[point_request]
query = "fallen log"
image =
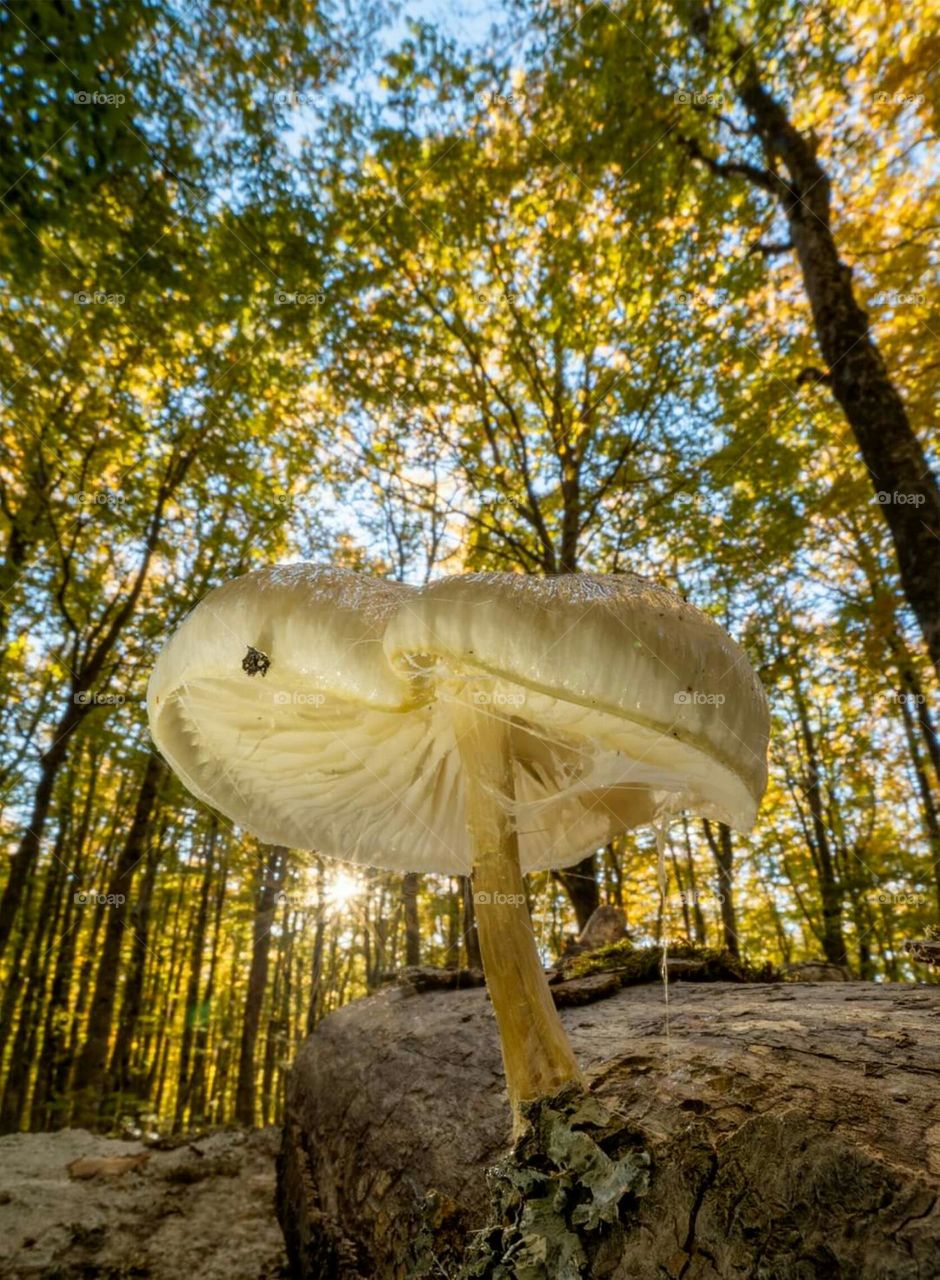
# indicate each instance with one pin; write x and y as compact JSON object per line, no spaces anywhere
{"x":793,"y":1131}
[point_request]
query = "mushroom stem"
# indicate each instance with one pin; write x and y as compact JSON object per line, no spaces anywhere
{"x":537,"y":1056}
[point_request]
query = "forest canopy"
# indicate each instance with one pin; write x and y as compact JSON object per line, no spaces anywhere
{"x":589,"y":289}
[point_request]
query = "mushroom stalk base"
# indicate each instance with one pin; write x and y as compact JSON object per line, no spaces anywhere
{"x":537,"y":1056}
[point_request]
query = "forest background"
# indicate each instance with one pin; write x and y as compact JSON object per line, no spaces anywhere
{"x":557,"y":287}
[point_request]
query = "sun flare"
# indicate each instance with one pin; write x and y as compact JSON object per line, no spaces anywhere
{"x":341,"y":889}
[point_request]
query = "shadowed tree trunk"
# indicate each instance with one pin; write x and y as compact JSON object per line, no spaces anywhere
{"x":833,"y":939}
{"x":723,"y":853}
{"x":22,"y":1052}
{"x":197,"y":1110}
{"x":316,"y":961}
{"x":192,"y":1012}
{"x":120,"y":1070}
{"x":471,"y":939}
{"x":409,"y":893}
{"x":272,"y":872}
{"x":580,"y":884}
{"x":89,"y":1078}
{"x":928,"y":804}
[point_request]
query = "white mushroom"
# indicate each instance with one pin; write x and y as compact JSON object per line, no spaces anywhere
{"x":487,"y":724}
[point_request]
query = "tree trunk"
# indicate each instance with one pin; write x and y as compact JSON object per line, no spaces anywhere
{"x":22,"y":1054}
{"x":120,"y":1070}
{"x":23,"y":861}
{"x":833,"y":939}
{"x":197,"y":1110}
{"x":723,"y":853}
{"x":88,"y":1082}
{"x":471,"y":939}
{"x":901,"y":477}
{"x":791,"y":1128}
{"x":409,"y":894}
{"x":580,"y":884}
{"x":273,"y":872}
{"x":316,"y":963}
{"x":191,"y":1012}
{"x":928,"y":804}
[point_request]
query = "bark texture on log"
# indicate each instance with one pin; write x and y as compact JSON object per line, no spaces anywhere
{"x":794,"y":1130}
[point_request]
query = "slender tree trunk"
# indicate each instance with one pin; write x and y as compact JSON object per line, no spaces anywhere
{"x":27,"y":853}
{"x":580,"y":884}
{"x":192,"y":1014}
{"x":120,"y":1071}
{"x":409,"y":894}
{"x":914,"y":691}
{"x":833,"y":940}
{"x":698,"y":916}
{"x":928,"y":804}
{"x":197,"y":1110}
{"x":471,"y":939}
{"x":273,"y":870}
{"x":316,"y":965}
{"x":723,"y":853}
{"x":90,"y":1069}
{"x":16,"y":1085}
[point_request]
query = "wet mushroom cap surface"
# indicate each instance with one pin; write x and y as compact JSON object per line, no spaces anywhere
{"x":314,"y":708}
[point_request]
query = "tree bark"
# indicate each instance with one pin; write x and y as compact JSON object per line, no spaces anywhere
{"x":833,"y":939}
{"x":120,"y":1070}
{"x":792,"y":1129}
{"x":192,"y":1016}
{"x":580,"y":884}
{"x":409,"y":896}
{"x":900,"y":474}
{"x":197,"y":1110}
{"x":273,"y":872}
{"x":723,"y":853}
{"x":89,"y":1079}
{"x":471,"y":939}
{"x":23,"y":1049}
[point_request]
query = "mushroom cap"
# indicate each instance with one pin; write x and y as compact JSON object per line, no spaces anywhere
{"x":311,"y":706}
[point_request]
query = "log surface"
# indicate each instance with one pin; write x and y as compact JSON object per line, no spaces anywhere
{"x":794,"y":1130}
